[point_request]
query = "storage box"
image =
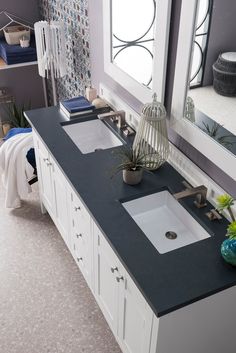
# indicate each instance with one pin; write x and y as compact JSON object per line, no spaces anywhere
{"x":14,"y":33}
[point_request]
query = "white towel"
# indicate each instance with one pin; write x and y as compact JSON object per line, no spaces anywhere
{"x":16,"y":169}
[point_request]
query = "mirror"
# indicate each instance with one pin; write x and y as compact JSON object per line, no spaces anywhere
{"x":133,"y":41}
{"x":136,"y":42}
{"x":208,"y":89}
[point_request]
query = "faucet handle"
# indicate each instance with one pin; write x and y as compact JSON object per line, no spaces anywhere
{"x":213,"y":215}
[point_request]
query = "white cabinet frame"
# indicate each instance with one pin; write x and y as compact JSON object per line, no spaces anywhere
{"x":142,"y":93}
{"x":215,"y":152}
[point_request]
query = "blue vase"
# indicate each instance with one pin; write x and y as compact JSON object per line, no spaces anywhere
{"x":228,"y":251}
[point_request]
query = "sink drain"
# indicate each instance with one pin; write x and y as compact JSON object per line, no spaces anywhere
{"x":171,"y":235}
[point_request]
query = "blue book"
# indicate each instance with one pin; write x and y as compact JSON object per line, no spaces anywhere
{"x":77,"y":105}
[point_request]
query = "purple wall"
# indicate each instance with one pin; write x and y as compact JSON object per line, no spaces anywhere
{"x":25,"y":83}
{"x":98,"y":75}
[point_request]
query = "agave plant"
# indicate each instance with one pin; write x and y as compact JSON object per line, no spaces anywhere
{"x":16,"y":115}
{"x":131,"y":159}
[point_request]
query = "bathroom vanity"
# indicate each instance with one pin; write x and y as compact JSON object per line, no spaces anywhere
{"x":155,"y":300}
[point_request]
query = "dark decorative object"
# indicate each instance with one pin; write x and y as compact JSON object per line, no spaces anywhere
{"x":224,"y":72}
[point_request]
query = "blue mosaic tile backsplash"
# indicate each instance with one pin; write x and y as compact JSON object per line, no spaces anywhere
{"x":74,"y":14}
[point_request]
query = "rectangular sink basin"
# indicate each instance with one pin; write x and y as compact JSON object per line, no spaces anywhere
{"x":91,"y":135}
{"x":161,"y":217}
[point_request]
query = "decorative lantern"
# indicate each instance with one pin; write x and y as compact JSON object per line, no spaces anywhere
{"x":190,"y":110}
{"x":151,"y":140}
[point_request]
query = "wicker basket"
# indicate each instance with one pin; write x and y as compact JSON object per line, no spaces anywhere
{"x":224,"y":73}
{"x":13,"y":34}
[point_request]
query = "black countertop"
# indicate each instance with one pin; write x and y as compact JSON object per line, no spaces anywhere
{"x":168,"y":281}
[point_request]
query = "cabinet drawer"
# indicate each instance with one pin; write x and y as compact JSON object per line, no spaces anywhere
{"x":78,"y":209}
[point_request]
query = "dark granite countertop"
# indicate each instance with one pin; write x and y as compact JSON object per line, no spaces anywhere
{"x":168,"y":281}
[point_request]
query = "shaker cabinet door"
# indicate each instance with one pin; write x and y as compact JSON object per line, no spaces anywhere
{"x":61,"y":203}
{"x":45,"y":175}
{"x":135,"y":319}
{"x":106,"y":285}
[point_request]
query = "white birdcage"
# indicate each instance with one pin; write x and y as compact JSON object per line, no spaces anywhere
{"x":151,"y":140}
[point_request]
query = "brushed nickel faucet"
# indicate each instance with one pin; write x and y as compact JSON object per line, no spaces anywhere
{"x":117,"y":117}
{"x":200,"y":192}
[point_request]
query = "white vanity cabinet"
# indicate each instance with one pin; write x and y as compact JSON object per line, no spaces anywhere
{"x":126,"y":311}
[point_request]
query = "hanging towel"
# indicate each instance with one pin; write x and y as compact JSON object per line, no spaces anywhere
{"x":15,"y":168}
{"x":15,"y":131}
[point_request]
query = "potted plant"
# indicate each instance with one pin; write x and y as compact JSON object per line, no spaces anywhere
{"x":16,"y":115}
{"x":132,"y":165}
{"x":16,"y":118}
{"x":228,"y":247}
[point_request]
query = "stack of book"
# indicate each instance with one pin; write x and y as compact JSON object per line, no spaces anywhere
{"x":76,"y":106}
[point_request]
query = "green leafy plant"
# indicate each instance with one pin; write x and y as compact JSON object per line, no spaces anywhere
{"x":225,"y":202}
{"x":16,"y":115}
{"x":130,"y":160}
{"x":231,"y":230}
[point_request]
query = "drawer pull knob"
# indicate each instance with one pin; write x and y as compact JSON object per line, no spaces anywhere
{"x":79,"y":259}
{"x":121,"y":278}
{"x":113,"y":269}
{"x":79,"y":235}
{"x":77,"y":208}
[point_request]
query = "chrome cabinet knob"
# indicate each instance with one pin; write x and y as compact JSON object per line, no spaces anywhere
{"x":121,"y":278}
{"x":113,"y":269}
{"x":77,"y":208}
{"x":79,"y":259}
{"x":79,"y":235}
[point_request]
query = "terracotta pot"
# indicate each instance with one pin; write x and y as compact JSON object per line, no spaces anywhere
{"x":132,"y":177}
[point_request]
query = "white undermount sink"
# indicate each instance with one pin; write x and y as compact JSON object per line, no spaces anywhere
{"x":161,"y":218}
{"x":91,"y":135}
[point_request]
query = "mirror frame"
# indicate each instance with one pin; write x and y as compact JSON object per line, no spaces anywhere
{"x":220,"y":156}
{"x":142,"y":93}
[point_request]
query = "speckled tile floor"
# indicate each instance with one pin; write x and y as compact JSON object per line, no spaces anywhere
{"x":45,"y":304}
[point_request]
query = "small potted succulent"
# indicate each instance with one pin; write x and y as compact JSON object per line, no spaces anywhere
{"x":132,"y":165}
{"x":228,"y":247}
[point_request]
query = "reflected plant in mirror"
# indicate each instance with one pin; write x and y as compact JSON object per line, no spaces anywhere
{"x":133,"y":28}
